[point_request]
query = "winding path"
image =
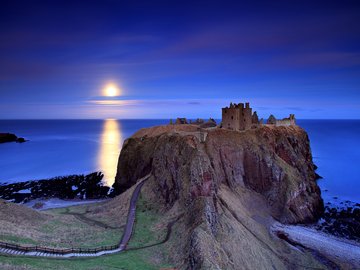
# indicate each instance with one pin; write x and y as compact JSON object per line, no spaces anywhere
{"x":13,"y":249}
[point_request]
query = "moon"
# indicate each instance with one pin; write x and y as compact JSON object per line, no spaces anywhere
{"x":111,"y":90}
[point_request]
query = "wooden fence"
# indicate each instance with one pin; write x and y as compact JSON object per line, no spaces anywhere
{"x":56,"y":250}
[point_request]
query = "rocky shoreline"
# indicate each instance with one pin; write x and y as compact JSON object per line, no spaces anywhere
{"x":342,"y":222}
{"x":66,"y":187}
{"x":9,"y":137}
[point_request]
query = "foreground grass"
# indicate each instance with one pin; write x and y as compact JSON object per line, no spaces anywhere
{"x":66,"y":230}
{"x":146,"y":232}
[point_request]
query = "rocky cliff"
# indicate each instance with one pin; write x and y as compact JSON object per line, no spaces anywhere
{"x":229,"y":187}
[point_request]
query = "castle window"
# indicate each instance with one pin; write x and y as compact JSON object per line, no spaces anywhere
{"x":232,"y":117}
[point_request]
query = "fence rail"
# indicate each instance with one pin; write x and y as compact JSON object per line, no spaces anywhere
{"x":61,"y":251}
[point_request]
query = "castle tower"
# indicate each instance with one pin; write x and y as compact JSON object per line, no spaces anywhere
{"x":237,"y":116}
{"x":255,"y":118}
{"x":247,"y":116}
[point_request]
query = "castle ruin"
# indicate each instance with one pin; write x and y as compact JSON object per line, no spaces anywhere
{"x":289,"y":121}
{"x":240,"y":117}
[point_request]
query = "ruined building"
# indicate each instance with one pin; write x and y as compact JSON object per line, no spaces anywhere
{"x":255,"y":118}
{"x":181,"y":121}
{"x":238,"y":117}
{"x":271,"y":120}
{"x":289,"y":121}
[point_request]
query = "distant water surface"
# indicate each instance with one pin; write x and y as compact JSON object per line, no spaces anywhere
{"x":62,"y":147}
{"x":335,"y":146}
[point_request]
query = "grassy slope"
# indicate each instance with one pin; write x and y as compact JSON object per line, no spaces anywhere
{"x":149,"y":229}
{"x":60,"y":228}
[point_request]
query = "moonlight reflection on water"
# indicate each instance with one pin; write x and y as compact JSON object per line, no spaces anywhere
{"x":110,"y":143}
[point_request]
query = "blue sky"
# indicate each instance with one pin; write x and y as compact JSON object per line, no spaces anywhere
{"x":179,"y":58}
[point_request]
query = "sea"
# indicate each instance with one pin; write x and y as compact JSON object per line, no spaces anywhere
{"x":64,"y":147}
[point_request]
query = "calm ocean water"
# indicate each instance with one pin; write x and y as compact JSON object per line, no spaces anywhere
{"x":335,"y":145}
{"x":61,"y":147}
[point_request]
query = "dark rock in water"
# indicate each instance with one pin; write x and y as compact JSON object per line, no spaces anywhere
{"x":9,"y":137}
{"x":67,"y":187}
{"x":20,"y":140}
{"x":341,"y":222}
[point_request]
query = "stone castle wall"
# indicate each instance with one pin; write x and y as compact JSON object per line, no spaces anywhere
{"x":240,"y":117}
{"x":237,"y":116}
{"x":290,"y":121}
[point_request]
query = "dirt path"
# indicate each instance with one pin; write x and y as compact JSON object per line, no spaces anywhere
{"x":131,"y":216}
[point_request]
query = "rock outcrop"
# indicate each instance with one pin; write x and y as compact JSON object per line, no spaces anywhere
{"x":9,"y":137}
{"x":229,"y":186}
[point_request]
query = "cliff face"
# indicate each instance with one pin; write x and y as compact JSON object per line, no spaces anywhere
{"x":228,"y":185}
{"x":273,"y":161}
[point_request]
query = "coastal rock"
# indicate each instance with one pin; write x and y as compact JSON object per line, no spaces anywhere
{"x":341,"y":222}
{"x":9,"y":137}
{"x":66,"y":187}
{"x":227,"y":187}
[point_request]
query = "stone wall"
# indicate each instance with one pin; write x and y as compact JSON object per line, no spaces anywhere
{"x":289,"y":121}
{"x":237,"y":116}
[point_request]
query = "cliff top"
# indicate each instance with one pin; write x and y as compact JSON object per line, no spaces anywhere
{"x":189,"y":128}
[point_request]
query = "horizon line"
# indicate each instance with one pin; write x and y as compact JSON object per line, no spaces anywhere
{"x":112,"y":118}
